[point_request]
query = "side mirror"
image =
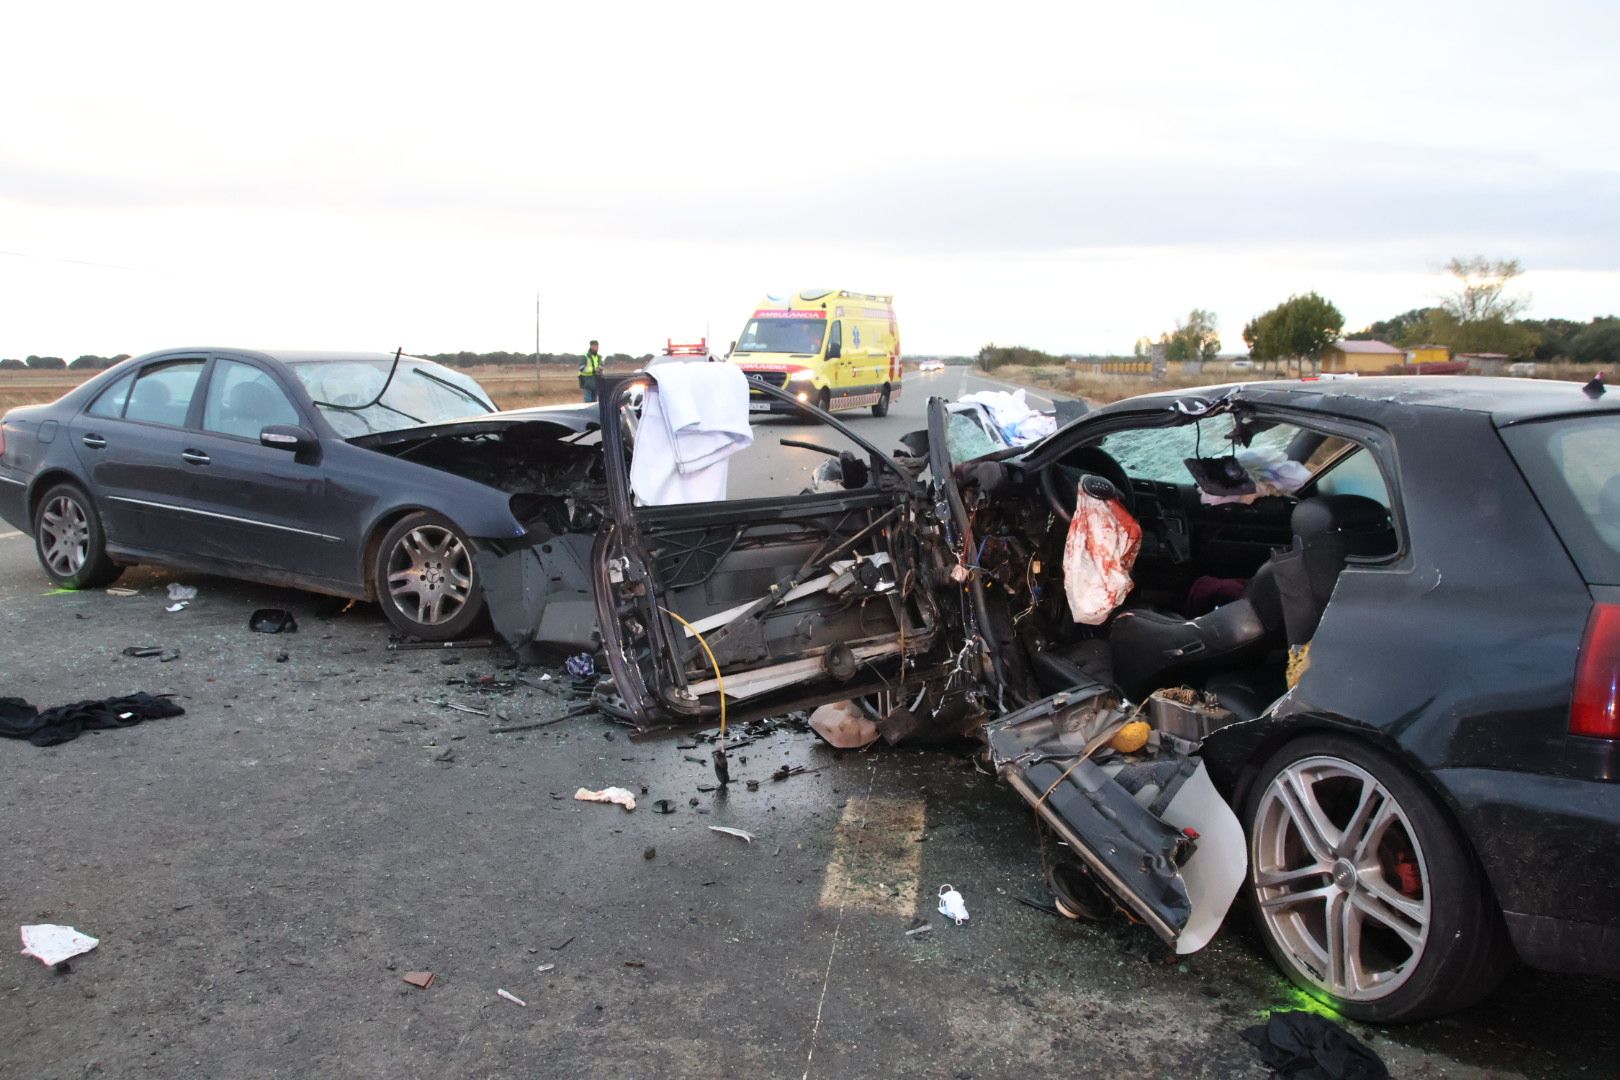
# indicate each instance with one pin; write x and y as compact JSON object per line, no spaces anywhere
{"x":287,"y":437}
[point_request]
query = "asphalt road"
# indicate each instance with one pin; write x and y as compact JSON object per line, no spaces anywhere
{"x":263,"y":870}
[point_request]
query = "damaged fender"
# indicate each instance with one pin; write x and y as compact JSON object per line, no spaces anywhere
{"x":1149,"y":827}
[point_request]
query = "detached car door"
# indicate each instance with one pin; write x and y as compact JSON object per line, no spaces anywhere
{"x":799,"y":587}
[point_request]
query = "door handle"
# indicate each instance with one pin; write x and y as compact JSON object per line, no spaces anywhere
{"x":94,"y":442}
{"x":194,"y":457}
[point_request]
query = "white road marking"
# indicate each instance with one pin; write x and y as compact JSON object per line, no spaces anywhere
{"x":9,"y":535}
{"x":855,"y":806}
{"x":876,"y":859}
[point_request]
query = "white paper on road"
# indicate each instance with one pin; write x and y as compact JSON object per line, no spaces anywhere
{"x":51,"y":944}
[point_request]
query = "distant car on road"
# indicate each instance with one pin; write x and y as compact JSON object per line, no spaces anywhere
{"x":1240,"y":365}
{"x":366,"y":475}
{"x":931,"y":365}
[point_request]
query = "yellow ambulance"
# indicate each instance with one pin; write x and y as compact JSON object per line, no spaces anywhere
{"x":829,"y":347}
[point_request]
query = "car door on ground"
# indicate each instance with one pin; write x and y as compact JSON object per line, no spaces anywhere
{"x":131,"y":441}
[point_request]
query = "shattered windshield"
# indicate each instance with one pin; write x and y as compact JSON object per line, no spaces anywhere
{"x":801,"y":336}
{"x":421,"y":392}
{"x":1161,"y":453}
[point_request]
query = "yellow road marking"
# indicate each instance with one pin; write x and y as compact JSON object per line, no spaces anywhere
{"x":876,"y":859}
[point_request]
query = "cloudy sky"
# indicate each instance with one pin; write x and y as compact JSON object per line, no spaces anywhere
{"x":1066,"y":176}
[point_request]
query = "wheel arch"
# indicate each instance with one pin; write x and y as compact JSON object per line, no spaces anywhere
{"x":49,"y":479}
{"x":1234,"y":765}
{"x":373,"y":544}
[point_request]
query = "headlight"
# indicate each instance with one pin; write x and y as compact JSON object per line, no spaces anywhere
{"x":803,"y":375}
{"x":803,"y":396}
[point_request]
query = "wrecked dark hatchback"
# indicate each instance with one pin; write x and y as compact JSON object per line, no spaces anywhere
{"x":1372,"y":626}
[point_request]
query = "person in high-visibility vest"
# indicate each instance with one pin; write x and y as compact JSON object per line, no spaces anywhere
{"x":589,"y":368}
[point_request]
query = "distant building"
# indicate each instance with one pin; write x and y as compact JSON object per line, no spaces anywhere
{"x":1485,"y":363}
{"x":1428,"y":354}
{"x":1362,"y":357}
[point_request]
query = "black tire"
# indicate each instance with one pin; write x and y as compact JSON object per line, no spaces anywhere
{"x":1428,"y":938}
{"x":824,"y":400}
{"x":69,"y":540}
{"x":882,"y":407}
{"x":425,"y":578}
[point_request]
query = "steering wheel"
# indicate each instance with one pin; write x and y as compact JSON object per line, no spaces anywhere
{"x":1061,"y":497}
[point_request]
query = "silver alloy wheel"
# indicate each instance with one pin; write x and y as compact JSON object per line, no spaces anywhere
{"x":1340,"y":878}
{"x":429,"y":575}
{"x":64,"y":534}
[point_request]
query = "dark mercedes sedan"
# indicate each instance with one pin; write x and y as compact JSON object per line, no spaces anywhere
{"x":374,"y":476}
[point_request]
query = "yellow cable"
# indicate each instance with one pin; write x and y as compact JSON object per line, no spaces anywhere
{"x":718,"y":678}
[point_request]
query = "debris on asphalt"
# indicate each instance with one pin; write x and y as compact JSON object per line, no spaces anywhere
{"x":786,"y":771}
{"x":179,"y":593}
{"x":951,"y":904}
{"x":51,"y":944}
{"x":420,"y":979}
{"x":747,"y":838}
{"x":543,"y":968}
{"x":169,"y":657}
{"x":20,"y":720}
{"x":559,"y":947}
{"x":920,"y":926}
{"x":1298,"y":1045}
{"x":753,"y":785}
{"x":272,"y":621}
{"x":580,"y":667}
{"x":617,"y":795}
{"x":843,"y":726}
{"x":475,"y":643}
{"x":635,"y":963}
{"x":119,"y":590}
{"x":462,"y":708}
{"x":650,"y":853}
{"x":143,"y":650}
{"x":178,"y":605}
{"x":663,"y":806}
{"x":513,"y":998}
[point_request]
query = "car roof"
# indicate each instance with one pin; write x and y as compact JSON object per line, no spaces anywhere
{"x":1506,"y":400}
{"x":290,"y":356}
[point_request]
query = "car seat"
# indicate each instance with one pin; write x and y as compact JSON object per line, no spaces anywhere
{"x":1284,"y":599}
{"x":249,"y":406}
{"x":149,"y":401}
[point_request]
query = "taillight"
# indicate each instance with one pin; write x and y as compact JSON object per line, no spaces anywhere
{"x":1595,"y":710}
{"x":2,"y":438}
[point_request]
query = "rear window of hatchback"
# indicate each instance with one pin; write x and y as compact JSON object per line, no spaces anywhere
{"x":1573,"y":465}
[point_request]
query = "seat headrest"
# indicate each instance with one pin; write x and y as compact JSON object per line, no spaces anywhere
{"x":251,"y":399}
{"x":1363,"y":523}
